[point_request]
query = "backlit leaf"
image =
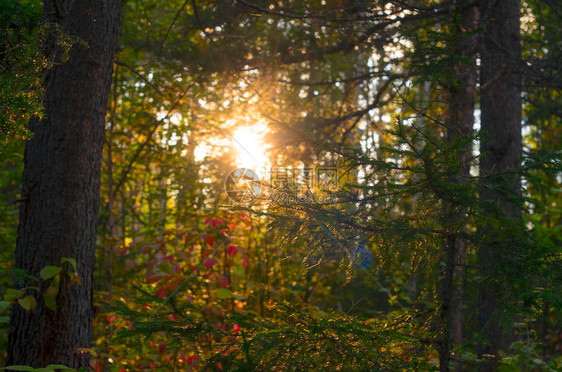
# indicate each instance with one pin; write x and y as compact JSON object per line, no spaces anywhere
{"x":224,"y":293}
{"x":71,"y":261}
{"x":50,"y":302}
{"x":28,"y":302}
{"x":49,"y":272}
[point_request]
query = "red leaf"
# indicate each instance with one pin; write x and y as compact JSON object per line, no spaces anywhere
{"x":153,"y":277}
{"x":232,"y":250}
{"x":192,"y":359}
{"x":162,"y":347}
{"x":236,"y":328}
{"x":169,"y":258}
{"x":210,"y":240}
{"x":222,"y":280}
{"x":162,"y":292}
{"x":214,"y":222}
{"x":210,"y":262}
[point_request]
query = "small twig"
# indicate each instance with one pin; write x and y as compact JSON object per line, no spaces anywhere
{"x":170,"y":28}
{"x":119,"y":63}
{"x":16,"y":201}
{"x":196,"y":14}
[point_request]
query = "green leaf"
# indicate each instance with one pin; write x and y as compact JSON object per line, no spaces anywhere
{"x":71,"y":261}
{"x":20,"y":368}
{"x":28,"y":302}
{"x":166,"y":268}
{"x":4,"y":305}
{"x":224,"y":293}
{"x":53,"y":290}
{"x":49,"y":271}
{"x":13,"y":294}
{"x":50,"y":302}
{"x":60,"y":366}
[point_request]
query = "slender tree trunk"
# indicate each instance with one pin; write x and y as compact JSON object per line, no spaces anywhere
{"x":461,"y":127}
{"x":500,"y":103}
{"x":61,"y":183}
{"x":461,"y":95}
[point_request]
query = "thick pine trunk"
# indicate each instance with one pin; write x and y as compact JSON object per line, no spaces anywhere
{"x":61,"y":182}
{"x":500,"y":103}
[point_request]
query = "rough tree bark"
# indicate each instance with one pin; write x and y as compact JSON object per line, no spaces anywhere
{"x":500,"y":104}
{"x":61,"y":182}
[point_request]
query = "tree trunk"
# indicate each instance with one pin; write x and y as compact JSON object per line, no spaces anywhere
{"x":461,"y":127}
{"x":500,"y":103}
{"x":61,"y":183}
{"x":460,"y":120}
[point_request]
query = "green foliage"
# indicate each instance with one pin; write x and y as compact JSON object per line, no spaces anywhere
{"x":19,"y":296}
{"x":52,"y":275}
{"x":200,"y":323}
{"x":49,"y":368}
{"x":21,"y":64}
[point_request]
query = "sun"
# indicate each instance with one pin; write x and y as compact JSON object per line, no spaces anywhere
{"x":251,"y":150}
{"x":243,"y":138}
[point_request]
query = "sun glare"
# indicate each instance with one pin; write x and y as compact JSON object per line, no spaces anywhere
{"x":244,"y":140}
{"x":251,"y":151}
